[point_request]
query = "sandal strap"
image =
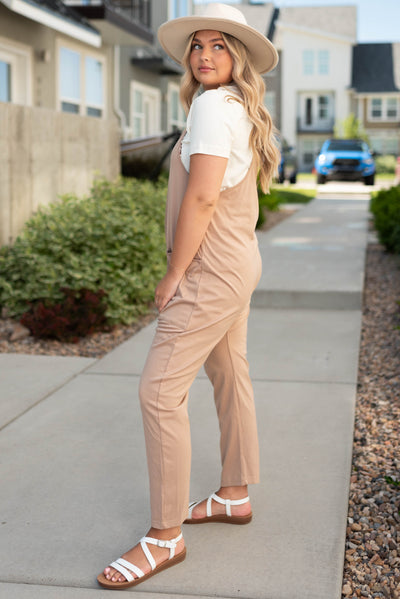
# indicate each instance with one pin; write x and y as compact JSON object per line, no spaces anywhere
{"x":191,"y":507}
{"x":121,"y":565}
{"x":168,"y":544}
{"x":226,"y":502}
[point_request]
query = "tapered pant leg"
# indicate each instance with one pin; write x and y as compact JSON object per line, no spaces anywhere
{"x":228,"y":370}
{"x":187,"y":333}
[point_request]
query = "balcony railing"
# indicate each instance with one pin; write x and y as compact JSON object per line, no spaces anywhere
{"x":322,"y":126}
{"x":137,"y":11}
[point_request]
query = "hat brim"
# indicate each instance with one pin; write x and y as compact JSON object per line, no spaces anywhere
{"x":174,"y":35}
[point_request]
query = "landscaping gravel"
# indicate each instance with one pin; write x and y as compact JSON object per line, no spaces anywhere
{"x":372,"y":562}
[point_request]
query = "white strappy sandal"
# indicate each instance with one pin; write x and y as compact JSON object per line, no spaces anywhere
{"x":227,"y":517}
{"x":126,"y":568}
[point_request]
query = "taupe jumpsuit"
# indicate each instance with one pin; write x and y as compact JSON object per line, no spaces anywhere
{"x":204,"y":323}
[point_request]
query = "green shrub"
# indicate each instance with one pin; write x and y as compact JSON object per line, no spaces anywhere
{"x":271,"y":201}
{"x":385,"y":207}
{"x":385,"y":164}
{"x":112,"y":240}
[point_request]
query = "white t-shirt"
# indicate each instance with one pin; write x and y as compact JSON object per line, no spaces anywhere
{"x":219,"y":127}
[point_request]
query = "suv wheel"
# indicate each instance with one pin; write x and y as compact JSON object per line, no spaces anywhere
{"x":321,"y":179}
{"x":370,"y":180}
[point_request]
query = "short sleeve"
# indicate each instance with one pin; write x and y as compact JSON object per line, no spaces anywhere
{"x":213,"y":124}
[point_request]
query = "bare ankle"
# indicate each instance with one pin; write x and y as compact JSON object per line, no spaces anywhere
{"x":233,"y":492}
{"x":165,"y":534}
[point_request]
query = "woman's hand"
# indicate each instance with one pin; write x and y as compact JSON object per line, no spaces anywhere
{"x":167,"y":287}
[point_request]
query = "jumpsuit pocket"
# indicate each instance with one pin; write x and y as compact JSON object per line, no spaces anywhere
{"x":176,"y":314}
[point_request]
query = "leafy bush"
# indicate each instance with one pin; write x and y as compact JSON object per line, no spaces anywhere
{"x":385,"y":164}
{"x":385,"y":207}
{"x":276,"y":197}
{"x":112,"y":240}
{"x":81,"y":313}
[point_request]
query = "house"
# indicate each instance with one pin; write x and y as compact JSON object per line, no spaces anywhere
{"x":147,"y":80}
{"x":59,"y":98}
{"x":375,"y":94}
{"x":316,"y":45}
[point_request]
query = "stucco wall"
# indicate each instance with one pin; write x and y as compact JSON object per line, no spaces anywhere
{"x":43,"y":154}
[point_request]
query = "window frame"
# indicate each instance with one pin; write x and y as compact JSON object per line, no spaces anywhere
{"x":384,"y":102}
{"x":153,"y":94}
{"x":83,"y":105}
{"x":308,"y":62}
{"x":323,"y":60}
{"x":310,"y":105}
{"x":180,"y":122}
{"x":19,"y":57}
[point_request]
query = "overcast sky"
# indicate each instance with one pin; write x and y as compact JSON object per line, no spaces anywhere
{"x":378,"y":20}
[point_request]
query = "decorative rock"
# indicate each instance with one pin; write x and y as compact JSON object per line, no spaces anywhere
{"x":372,"y":560}
{"x":19,"y":332}
{"x":347,"y":589}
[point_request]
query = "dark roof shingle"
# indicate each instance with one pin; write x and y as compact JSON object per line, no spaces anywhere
{"x":373,"y":68}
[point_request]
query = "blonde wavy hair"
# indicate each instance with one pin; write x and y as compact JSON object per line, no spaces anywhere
{"x":251,"y":89}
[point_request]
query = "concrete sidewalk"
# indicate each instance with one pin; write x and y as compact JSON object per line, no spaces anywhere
{"x":74,"y":490}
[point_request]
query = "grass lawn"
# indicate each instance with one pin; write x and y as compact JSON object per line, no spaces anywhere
{"x":294,"y":196}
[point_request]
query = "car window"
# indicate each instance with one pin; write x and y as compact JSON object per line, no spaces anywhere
{"x":344,"y":145}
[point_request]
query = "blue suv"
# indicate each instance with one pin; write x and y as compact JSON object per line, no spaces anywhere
{"x":345,"y":159}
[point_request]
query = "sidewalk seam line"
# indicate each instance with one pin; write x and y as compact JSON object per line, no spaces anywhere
{"x":73,"y":376}
{"x":254,"y":379}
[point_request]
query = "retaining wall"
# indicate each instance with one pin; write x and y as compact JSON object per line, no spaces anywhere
{"x":44,"y":154}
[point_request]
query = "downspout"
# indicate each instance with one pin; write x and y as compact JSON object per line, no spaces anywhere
{"x":117,"y":109}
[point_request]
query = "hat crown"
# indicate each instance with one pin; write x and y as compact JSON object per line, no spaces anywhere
{"x":224,"y":11}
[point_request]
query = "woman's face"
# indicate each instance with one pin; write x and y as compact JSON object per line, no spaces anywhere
{"x":210,"y":60}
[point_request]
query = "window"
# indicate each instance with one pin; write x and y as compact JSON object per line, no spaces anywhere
{"x":384,"y":109}
{"x":15,"y":72}
{"x":323,"y":62}
{"x":176,"y":114}
{"x":392,"y":108}
{"x":270,"y":103}
{"x":81,"y":87}
{"x":308,"y":62}
{"x":70,"y":80}
{"x":313,"y":60}
{"x":309,"y":111}
{"x":376,"y":111}
{"x":94,"y":87}
{"x":315,"y":111}
{"x":145,"y":109}
{"x":178,"y":8}
{"x":5,"y":81}
{"x":323,"y":108}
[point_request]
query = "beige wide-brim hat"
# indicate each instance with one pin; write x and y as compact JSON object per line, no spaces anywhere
{"x":174,"y":35}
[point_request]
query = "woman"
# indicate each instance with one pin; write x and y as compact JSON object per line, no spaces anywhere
{"x":213,"y":267}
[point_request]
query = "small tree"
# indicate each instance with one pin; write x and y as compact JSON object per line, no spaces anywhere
{"x":351,"y":128}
